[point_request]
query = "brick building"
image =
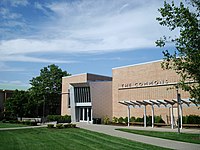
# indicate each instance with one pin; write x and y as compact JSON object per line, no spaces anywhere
{"x":145,"y":83}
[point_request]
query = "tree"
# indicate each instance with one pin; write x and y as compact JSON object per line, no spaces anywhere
{"x":19,"y":104}
{"x":186,"y":58}
{"x":46,"y":90}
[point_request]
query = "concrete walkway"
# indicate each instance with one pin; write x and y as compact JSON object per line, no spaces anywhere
{"x":110,"y":130}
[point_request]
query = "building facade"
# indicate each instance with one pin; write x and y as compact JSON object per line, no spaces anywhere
{"x":86,"y":96}
{"x":137,"y":83}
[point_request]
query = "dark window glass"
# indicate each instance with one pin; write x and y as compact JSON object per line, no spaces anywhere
{"x":82,"y":94}
{"x":68,"y":98}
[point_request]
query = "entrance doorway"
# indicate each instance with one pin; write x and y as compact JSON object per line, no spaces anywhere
{"x":85,"y":114}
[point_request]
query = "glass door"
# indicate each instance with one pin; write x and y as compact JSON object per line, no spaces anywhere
{"x":85,"y":114}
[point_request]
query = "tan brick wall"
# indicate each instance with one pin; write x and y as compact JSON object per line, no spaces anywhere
{"x":80,"y":78}
{"x":65,"y":86}
{"x":101,"y":93}
{"x":140,"y":74}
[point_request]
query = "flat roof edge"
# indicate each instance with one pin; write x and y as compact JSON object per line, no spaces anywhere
{"x":74,"y":75}
{"x":86,"y":74}
{"x":98,"y":75}
{"x":137,"y":64}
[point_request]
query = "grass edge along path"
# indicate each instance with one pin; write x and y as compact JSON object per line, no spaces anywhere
{"x":72,"y":138}
{"x":11,"y":125}
{"x":183,"y":137}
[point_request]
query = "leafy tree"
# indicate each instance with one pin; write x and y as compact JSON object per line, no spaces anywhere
{"x":186,"y":58}
{"x":46,"y":90}
{"x":19,"y":104}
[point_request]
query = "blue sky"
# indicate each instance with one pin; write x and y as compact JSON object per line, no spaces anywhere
{"x":77,"y":35}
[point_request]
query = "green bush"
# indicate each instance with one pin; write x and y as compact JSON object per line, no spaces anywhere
{"x":184,"y":119}
{"x":121,"y":120}
{"x":132,"y":119}
{"x":106,"y":120}
{"x":126,"y":120}
{"x":149,"y":120}
{"x":13,"y":121}
{"x":67,"y":125}
{"x":139,"y":119}
{"x":158,"y":119}
{"x":27,"y":122}
{"x":59,"y":118}
{"x":59,"y":126}
{"x":191,"y":119}
{"x":115,"y":120}
{"x":73,"y":125}
{"x":50,"y":126}
{"x":33,"y":123}
{"x":4,"y":121}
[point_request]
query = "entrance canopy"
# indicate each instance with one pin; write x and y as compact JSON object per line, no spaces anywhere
{"x":166,"y":103}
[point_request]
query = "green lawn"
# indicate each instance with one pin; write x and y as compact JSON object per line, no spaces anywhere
{"x":62,"y":139}
{"x":10,"y":125}
{"x":184,"y":137}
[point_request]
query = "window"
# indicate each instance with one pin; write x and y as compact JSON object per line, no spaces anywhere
{"x":82,"y":94}
{"x":68,"y":98}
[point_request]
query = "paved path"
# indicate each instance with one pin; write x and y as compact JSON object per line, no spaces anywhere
{"x":110,"y":130}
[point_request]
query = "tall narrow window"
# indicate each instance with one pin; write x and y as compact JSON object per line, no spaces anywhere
{"x":82,"y":94}
{"x":68,"y":98}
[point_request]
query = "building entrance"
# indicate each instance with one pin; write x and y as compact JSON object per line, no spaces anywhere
{"x":85,"y":114}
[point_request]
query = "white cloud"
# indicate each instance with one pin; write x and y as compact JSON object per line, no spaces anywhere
{"x":24,"y":58}
{"x":88,"y":27}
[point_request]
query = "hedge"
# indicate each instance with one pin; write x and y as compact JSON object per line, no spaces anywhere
{"x":59,"y":118}
{"x":191,"y":119}
{"x":121,"y":120}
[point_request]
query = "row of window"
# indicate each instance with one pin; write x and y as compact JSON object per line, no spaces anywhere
{"x":82,"y":94}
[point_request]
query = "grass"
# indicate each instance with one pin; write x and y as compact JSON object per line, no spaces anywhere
{"x":11,"y":125}
{"x":62,"y":139}
{"x":184,"y":137}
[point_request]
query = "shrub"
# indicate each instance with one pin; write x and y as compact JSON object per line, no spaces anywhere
{"x":149,"y":120}
{"x":191,"y":119}
{"x":132,"y":119}
{"x":67,"y":125}
{"x":106,"y":120}
{"x":158,"y":119}
{"x":4,"y":121}
{"x":139,"y":119}
{"x":33,"y":123}
{"x":184,"y":119}
{"x":120,"y":120}
{"x":13,"y":121}
{"x":115,"y":120}
{"x":126,"y":120}
{"x":27,"y":122}
{"x":73,"y":125}
{"x":65,"y":119}
{"x":50,"y":126}
{"x":59,"y":126}
{"x":59,"y":118}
